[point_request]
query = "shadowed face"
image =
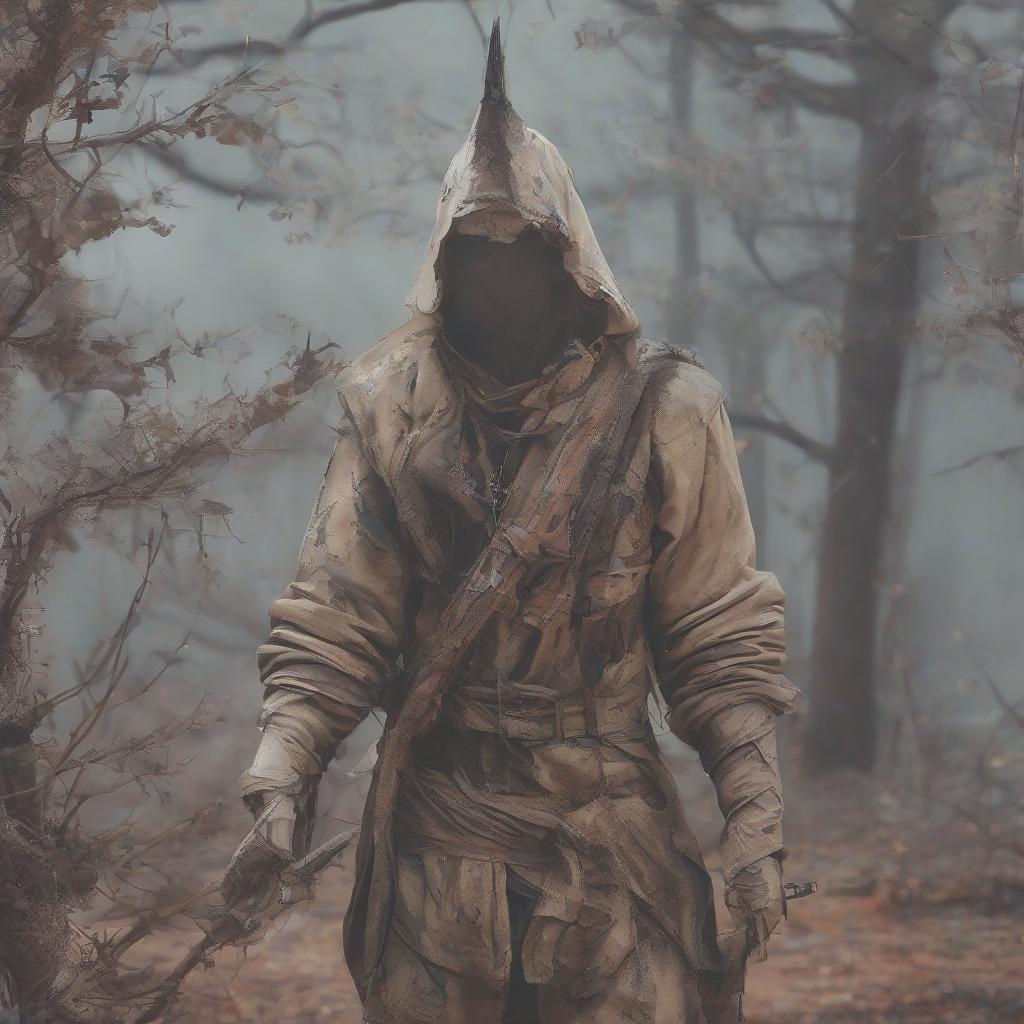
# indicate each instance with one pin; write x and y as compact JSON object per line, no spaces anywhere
{"x":520,"y":283}
{"x":507,"y":305}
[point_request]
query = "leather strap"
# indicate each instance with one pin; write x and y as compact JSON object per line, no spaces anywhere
{"x":531,"y":713}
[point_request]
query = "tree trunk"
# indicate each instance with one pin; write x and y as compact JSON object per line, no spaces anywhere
{"x":881,"y":304}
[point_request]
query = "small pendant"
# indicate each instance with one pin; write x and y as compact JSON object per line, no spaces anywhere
{"x":499,"y":495}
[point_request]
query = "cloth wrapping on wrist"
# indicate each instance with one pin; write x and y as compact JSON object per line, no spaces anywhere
{"x":301,"y":733}
{"x":300,"y":737}
{"x":739,"y":752}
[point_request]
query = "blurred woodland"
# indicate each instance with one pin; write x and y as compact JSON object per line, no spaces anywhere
{"x":206,"y":206}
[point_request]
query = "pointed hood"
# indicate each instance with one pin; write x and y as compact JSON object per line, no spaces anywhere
{"x":507,"y":173}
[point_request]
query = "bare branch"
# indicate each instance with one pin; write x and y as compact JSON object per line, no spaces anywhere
{"x":840,"y":15}
{"x":477,"y":23}
{"x":798,"y":286}
{"x":842,"y":101}
{"x":817,"y":450}
{"x":174,"y":161}
{"x":1000,"y":455}
{"x":247,"y":49}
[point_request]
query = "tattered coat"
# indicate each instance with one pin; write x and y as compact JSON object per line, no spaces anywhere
{"x":515,"y":653}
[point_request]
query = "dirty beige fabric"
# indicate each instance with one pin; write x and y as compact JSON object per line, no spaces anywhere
{"x":532,"y":751}
{"x":594,"y":825}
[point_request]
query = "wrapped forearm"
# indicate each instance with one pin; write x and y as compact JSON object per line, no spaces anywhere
{"x":301,"y":733}
{"x":300,"y":737}
{"x":738,"y":750}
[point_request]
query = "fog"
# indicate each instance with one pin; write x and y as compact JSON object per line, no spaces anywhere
{"x":384,"y":103}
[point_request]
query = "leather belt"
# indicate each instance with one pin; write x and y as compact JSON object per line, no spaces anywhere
{"x":539,"y":713}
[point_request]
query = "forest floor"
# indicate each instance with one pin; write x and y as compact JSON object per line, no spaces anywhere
{"x":918,"y":920}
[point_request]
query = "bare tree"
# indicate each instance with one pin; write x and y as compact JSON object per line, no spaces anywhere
{"x":895,"y":64}
{"x":67,"y":73}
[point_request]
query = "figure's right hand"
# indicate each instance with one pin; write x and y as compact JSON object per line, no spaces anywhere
{"x":252,"y":877}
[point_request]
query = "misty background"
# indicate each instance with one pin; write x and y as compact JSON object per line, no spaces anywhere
{"x":378,"y":106}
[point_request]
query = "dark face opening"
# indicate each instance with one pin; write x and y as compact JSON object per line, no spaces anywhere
{"x":510,"y":306}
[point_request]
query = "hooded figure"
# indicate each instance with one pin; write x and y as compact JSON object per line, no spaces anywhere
{"x":532,"y":522}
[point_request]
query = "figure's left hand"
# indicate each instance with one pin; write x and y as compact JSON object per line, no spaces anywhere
{"x":754,"y":899}
{"x":252,"y":878}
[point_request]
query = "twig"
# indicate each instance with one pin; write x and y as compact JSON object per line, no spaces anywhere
{"x":1001,"y":455}
{"x":785,"y":432}
{"x":249,"y":48}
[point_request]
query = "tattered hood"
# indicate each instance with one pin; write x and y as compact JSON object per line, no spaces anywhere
{"x":507,"y":174}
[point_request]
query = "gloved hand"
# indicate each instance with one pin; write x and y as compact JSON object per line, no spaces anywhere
{"x":251,"y":879}
{"x":300,"y":737}
{"x":738,"y":750}
{"x":754,"y":898}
